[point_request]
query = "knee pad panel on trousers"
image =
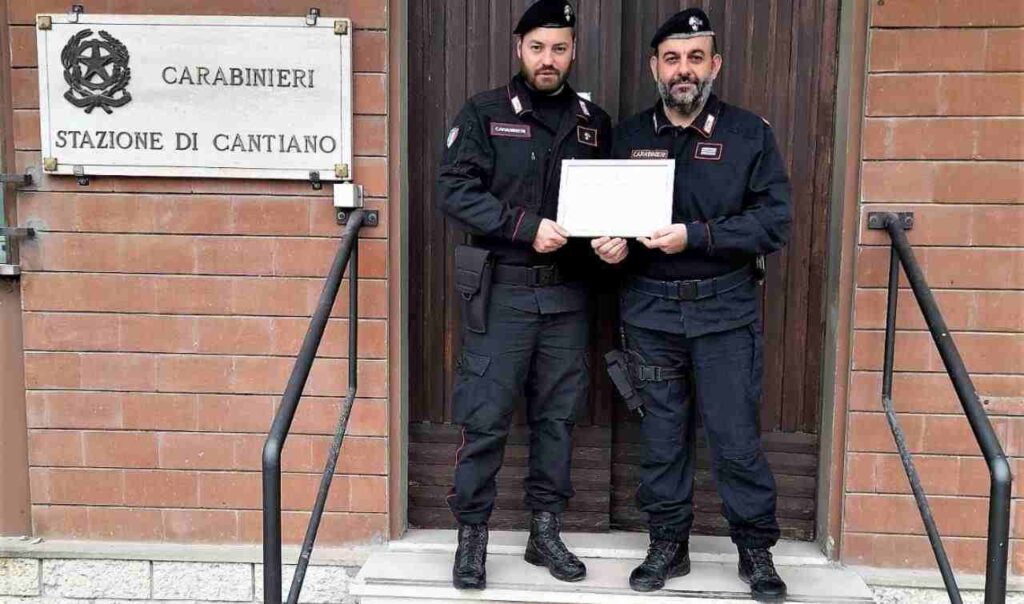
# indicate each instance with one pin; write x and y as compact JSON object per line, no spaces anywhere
{"x":481,"y":401}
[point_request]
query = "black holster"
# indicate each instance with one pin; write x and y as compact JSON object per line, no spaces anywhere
{"x":474,"y":268}
{"x":619,"y":371}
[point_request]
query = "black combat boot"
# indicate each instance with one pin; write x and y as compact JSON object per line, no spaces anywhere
{"x":470,"y":570}
{"x":545,"y":548}
{"x":757,"y":569}
{"x":665,"y":560}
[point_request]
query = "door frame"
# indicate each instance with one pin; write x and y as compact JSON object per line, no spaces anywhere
{"x":842,"y":235}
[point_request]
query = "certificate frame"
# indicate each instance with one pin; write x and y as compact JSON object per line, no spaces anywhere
{"x":616,"y":197}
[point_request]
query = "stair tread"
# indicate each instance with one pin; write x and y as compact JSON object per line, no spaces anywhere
{"x":399,"y":576}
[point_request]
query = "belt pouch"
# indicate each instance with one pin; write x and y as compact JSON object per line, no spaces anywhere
{"x":474,"y":269}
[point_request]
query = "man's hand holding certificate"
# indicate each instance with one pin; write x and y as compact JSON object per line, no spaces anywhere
{"x":616,"y":198}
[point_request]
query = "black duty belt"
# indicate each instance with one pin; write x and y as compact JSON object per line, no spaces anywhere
{"x":531,"y":276}
{"x":692,"y":290}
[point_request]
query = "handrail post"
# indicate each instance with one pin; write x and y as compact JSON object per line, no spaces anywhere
{"x":999,"y":468}
{"x":274,"y":445}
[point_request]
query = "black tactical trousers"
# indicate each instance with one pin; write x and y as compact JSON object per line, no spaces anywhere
{"x":539,"y":356}
{"x":724,"y":372}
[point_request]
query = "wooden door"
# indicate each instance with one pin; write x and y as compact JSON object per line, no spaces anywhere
{"x":780,"y":61}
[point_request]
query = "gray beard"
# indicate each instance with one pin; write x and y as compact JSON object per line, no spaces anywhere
{"x":690,"y":102}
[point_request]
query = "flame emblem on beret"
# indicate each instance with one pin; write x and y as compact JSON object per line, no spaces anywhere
{"x":568,"y":13}
{"x":696,"y":23}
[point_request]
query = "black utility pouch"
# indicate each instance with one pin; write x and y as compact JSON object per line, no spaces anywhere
{"x":473,"y":274}
{"x":617,"y":362}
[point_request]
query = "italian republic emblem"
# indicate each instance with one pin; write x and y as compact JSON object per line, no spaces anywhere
{"x":96,"y":69}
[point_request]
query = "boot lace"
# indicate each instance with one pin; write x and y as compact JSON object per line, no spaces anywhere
{"x":659,"y":554}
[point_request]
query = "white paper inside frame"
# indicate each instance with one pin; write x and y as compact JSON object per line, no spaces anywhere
{"x":223,"y":97}
{"x":621,"y":198}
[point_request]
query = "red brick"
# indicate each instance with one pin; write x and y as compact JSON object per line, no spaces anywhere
{"x":335,"y":529}
{"x":235,"y":335}
{"x":223,"y":413}
{"x":915,"y":351}
{"x":161,"y":489}
{"x":121,"y":449}
{"x":320,"y":415}
{"x":231,"y":490}
{"x":155,"y":254}
{"x":910,"y":552}
{"x":193,"y":295}
{"x":962,"y":310}
{"x":299,"y":491}
{"x":23,"y":46}
{"x":55,"y":448}
{"x":135,"y":372}
{"x":323,"y":222}
{"x":924,"y":49}
{"x":194,"y":373}
{"x":950,"y":268}
{"x":370,"y":134}
{"x":372,"y":173}
{"x":945,"y":95}
{"x":201,"y":526}
{"x":928,"y":13}
{"x":25,"y":90}
{"x":371,"y":93}
{"x":148,"y":411}
{"x":288,"y":335}
{"x":943,"y":138}
{"x":875,"y":473}
{"x":149,"y":333}
{"x":26,"y":130}
{"x":869,"y":432}
{"x":271,"y":216}
{"x":949,"y":182}
{"x":122,"y":524}
{"x":368,"y":14}
{"x":77,"y":487}
{"x":70,"y":332}
{"x":314,"y":257}
{"x":81,"y":410}
{"x":234,"y":255}
{"x":1005,"y":50}
{"x":898,"y":514}
{"x":52,"y":370}
{"x":929,"y":392}
{"x":60,"y":522}
{"x":370,"y":51}
{"x":369,"y":494}
{"x":184,"y":451}
{"x":358,"y":455}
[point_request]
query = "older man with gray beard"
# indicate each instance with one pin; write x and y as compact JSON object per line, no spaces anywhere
{"x":690,"y":309}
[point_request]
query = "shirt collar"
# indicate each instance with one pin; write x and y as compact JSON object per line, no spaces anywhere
{"x":519,"y":96}
{"x":704,"y":123}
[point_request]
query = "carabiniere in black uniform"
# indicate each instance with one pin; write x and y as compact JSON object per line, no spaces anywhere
{"x":499,"y":178}
{"x":692,"y":322}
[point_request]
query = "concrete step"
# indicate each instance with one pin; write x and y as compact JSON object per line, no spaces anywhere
{"x":418,"y":569}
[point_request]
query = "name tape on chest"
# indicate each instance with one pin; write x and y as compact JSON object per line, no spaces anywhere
{"x":649,"y":154}
{"x":587,"y":136}
{"x":708,"y":151}
{"x":511,"y":130}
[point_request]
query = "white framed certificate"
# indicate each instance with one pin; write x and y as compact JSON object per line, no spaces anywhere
{"x":616,"y":197}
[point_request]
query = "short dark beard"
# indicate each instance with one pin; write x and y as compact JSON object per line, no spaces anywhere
{"x":532,"y":81}
{"x":690,"y":103}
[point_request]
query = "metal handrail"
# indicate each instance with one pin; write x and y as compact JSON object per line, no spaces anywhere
{"x":348,"y":254}
{"x":999,"y":468}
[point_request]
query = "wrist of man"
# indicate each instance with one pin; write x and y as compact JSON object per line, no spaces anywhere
{"x":698,"y":236}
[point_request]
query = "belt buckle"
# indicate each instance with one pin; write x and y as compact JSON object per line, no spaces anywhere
{"x":543,"y":276}
{"x":687,"y":290}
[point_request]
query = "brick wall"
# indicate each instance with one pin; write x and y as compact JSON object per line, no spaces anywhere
{"x":161,"y":320}
{"x":943,"y":138}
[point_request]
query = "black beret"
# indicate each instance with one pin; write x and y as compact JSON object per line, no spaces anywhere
{"x":547,"y":13}
{"x":690,"y":23}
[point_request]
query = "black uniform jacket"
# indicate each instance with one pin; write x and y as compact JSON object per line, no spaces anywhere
{"x":502,"y":167}
{"x":733,"y":194}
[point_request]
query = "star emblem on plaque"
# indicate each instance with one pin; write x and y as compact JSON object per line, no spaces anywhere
{"x":96,"y":71}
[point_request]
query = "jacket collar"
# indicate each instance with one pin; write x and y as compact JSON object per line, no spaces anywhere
{"x":704,"y":123}
{"x":519,"y":96}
